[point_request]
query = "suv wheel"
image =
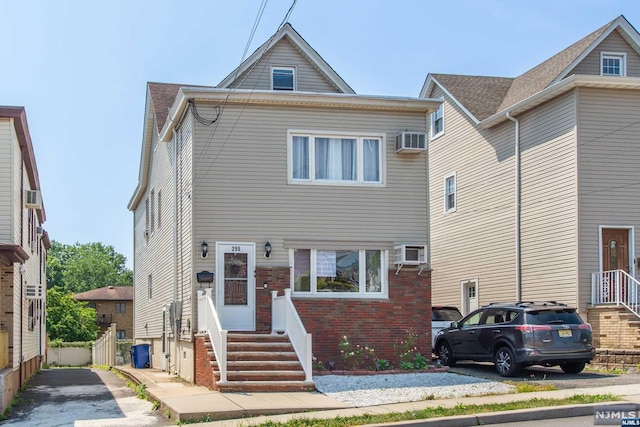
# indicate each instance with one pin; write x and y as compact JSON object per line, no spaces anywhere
{"x":572,"y":368}
{"x":505,"y":362}
{"x":445,"y":354}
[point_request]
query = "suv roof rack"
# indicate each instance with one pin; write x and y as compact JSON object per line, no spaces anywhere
{"x":543,"y":303}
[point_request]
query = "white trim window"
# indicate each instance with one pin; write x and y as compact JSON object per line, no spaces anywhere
{"x":450,"y":199}
{"x":336,"y":158}
{"x":437,"y":122}
{"x":613,"y":64}
{"x":339,"y":273}
{"x":283,"y":78}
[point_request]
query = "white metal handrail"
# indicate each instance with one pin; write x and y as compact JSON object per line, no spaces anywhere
{"x":615,"y":287}
{"x":209,"y":322}
{"x":285,"y":318}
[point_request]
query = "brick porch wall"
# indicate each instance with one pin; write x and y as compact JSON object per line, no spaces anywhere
{"x":378,"y":324}
{"x":614,"y":327}
{"x":203,"y":370}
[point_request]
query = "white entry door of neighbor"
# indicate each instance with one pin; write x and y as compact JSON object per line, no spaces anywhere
{"x":236,"y":285}
{"x":469,"y":295}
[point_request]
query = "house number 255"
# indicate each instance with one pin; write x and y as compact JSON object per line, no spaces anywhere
{"x":235,"y":248}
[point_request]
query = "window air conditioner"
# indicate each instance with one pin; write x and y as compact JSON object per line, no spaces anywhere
{"x":411,"y":142}
{"x":32,"y":199}
{"x":410,"y":254}
{"x":35,"y":291}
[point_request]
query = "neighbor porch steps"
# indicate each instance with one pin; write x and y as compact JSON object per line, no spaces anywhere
{"x":259,"y":363}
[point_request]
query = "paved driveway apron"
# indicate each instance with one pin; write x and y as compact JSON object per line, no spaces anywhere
{"x":544,"y":375}
{"x":81,"y":397}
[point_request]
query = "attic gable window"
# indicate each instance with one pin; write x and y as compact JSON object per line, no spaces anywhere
{"x":283,"y":78}
{"x":613,"y":64}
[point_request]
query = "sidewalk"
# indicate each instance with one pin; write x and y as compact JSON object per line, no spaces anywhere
{"x":186,"y":402}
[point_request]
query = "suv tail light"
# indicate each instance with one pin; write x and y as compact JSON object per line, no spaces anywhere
{"x":586,"y":326}
{"x":529,"y":329}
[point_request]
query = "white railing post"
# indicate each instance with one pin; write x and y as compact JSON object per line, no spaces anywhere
{"x":209,"y":322}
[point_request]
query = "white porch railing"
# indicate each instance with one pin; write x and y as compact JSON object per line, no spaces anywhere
{"x":284,"y":318}
{"x":209,"y":322}
{"x":615,"y":287}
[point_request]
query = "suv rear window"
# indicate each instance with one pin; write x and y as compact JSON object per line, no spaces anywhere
{"x":445,"y":313}
{"x":550,"y":317}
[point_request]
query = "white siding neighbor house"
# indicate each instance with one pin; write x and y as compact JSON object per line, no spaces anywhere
{"x":533,"y":184}
{"x":279,"y":201}
{"x":23,"y":245}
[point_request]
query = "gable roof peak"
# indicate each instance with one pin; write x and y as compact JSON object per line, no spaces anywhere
{"x":559,"y":65}
{"x":301,"y":44}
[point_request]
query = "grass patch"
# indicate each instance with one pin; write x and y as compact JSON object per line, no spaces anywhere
{"x":529,"y":387}
{"x":440,"y":411}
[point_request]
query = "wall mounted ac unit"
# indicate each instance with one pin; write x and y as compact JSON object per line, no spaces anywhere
{"x":39,"y":231}
{"x":410,"y":254}
{"x":35,"y":291}
{"x":32,"y":199}
{"x":411,"y":142}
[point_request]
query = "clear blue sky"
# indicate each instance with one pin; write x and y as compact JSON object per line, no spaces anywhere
{"x":80,"y":69}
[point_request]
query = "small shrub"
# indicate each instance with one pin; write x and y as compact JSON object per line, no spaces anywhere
{"x":382,"y":365}
{"x":317,"y":365}
{"x":408,"y":354}
{"x":355,"y":357}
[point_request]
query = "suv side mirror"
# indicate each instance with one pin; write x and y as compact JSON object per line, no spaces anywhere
{"x":454,"y":325}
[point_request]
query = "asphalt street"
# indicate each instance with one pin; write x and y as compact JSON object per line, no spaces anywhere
{"x":81,"y":397}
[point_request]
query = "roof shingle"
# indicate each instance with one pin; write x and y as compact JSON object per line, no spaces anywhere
{"x":108,"y":293}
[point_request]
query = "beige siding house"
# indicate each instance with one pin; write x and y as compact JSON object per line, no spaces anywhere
{"x":23,"y":245}
{"x":279,"y":178}
{"x":533,"y":184}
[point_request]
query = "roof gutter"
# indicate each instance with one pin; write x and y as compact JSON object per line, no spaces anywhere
{"x":517,"y":205}
{"x":556,"y":89}
{"x":299,"y":99}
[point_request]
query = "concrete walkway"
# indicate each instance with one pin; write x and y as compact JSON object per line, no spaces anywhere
{"x":186,"y":402}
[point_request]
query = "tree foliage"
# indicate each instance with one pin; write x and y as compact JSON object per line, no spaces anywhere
{"x":68,"y":319}
{"x":85,"y":266}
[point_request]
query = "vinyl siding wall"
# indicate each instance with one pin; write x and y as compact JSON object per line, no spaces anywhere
{"x":284,"y":54}
{"x":7,"y":146}
{"x":241,"y":192}
{"x":154,"y":256}
{"x":549,"y":202}
{"x":609,"y":180}
{"x":475,"y":241}
{"x":613,"y":43}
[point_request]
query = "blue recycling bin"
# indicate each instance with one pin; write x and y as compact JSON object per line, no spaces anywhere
{"x":140,"y":356}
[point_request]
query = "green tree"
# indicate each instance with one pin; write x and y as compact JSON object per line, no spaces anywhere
{"x":68,"y":319}
{"x":85,"y":266}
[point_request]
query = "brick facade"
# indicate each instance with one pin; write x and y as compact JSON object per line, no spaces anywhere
{"x":202,"y":367}
{"x":614,"y":328}
{"x":378,"y":324}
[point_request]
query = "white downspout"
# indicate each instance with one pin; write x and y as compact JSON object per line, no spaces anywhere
{"x":517,"y":205}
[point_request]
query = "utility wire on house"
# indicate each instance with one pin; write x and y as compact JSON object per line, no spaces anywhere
{"x":209,"y":139}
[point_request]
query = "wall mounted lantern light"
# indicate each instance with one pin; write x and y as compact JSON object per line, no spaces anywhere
{"x":205,"y":249}
{"x":267,"y":250}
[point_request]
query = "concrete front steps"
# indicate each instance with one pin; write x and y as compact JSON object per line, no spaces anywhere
{"x":259,"y":363}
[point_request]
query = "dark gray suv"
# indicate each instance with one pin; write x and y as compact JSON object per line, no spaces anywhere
{"x":516,"y":335}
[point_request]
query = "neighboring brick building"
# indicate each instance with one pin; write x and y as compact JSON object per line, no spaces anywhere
{"x":113,"y":304}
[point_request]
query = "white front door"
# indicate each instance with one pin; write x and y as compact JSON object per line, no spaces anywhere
{"x":236,"y":286}
{"x":469,"y":295}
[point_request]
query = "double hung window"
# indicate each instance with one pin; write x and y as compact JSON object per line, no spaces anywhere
{"x":339,"y":273}
{"x":336,"y":159}
{"x":450,"y":193}
{"x":437,"y":121}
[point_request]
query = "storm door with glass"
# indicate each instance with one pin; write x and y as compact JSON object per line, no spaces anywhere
{"x":236,"y":287}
